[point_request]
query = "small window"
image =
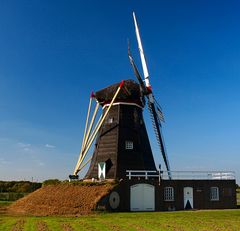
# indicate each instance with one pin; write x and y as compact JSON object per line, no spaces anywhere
{"x":169,"y":194}
{"x":129,"y":144}
{"x":110,"y":120}
{"x":214,"y":194}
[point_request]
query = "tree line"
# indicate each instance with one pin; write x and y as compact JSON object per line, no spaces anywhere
{"x":19,"y":186}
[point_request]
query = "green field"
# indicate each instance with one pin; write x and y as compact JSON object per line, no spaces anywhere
{"x":184,"y":220}
{"x":5,"y":203}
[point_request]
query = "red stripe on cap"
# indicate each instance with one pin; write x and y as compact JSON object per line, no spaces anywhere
{"x":92,"y":95}
{"x":149,"y":89}
{"x":121,"y":84}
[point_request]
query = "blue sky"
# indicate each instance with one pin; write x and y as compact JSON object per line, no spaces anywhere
{"x":54,"y":53}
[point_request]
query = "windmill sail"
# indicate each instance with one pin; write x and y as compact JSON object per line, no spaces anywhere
{"x":159,"y":111}
{"x":140,"y":47}
{"x":155,"y":110}
{"x":157,"y":129}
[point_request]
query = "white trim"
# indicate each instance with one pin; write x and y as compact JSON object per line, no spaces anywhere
{"x":123,"y":103}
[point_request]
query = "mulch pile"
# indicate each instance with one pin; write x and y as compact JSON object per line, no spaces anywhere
{"x":60,"y":199}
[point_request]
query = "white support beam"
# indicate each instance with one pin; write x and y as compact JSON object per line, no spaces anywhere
{"x":97,"y":129}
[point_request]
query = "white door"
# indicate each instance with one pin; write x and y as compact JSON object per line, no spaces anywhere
{"x":188,"y":197}
{"x":142,"y":197}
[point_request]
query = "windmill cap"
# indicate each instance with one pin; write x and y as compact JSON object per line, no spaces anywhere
{"x":130,"y":92}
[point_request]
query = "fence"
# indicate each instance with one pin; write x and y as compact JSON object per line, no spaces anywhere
{"x":182,"y":175}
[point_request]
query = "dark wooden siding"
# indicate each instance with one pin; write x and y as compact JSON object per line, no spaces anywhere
{"x":132,"y":127}
{"x":201,"y":194}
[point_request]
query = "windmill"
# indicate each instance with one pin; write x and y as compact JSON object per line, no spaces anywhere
{"x":121,"y":137}
{"x":122,"y":151}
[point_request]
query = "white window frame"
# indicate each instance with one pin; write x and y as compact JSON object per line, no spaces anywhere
{"x":214,"y":194}
{"x":128,"y":144}
{"x":168,"y":194}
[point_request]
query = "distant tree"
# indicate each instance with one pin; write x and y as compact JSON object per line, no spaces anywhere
{"x":19,"y":186}
{"x":51,"y":182}
{"x":24,"y":187}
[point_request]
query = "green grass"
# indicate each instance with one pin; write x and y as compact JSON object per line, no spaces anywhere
{"x":5,"y":203}
{"x":182,"y":220}
{"x":7,"y":223}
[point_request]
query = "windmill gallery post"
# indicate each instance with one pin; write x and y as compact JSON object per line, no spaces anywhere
{"x":122,"y":152}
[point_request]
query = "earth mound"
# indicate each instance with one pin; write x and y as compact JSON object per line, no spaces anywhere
{"x":62,"y":199}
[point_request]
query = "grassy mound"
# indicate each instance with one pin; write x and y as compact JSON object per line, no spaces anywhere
{"x":61,"y":199}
